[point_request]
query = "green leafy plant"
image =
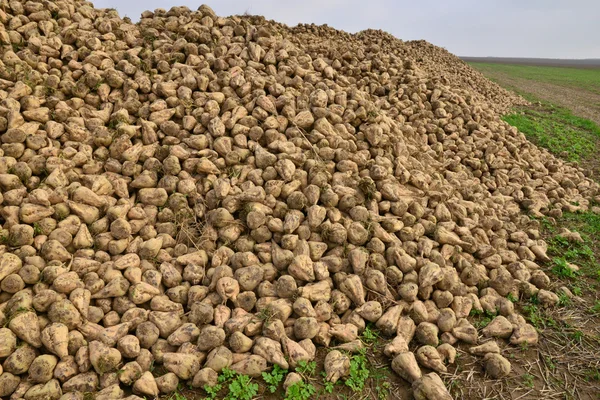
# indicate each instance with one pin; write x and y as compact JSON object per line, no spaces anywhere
{"x":550,"y":363}
{"x":359,"y":372}
{"x":328,"y":386}
{"x":241,"y":388}
{"x":383,"y":390}
{"x":485,"y":318}
{"x":212,"y":391}
{"x":532,"y":314}
{"x":512,"y":298}
{"x":528,"y":380}
{"x":300,"y":391}
{"x":36,"y":229}
{"x":562,"y":270}
{"x":274,"y":378}
{"x":369,"y":336}
{"x":306,"y":368}
{"x":226,"y":375}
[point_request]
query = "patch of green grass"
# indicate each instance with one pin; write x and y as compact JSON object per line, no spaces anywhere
{"x":580,"y":254}
{"x":588,"y":79}
{"x":563,"y":300}
{"x":557,"y":130}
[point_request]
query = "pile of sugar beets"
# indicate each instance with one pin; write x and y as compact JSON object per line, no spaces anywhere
{"x":197,"y":193}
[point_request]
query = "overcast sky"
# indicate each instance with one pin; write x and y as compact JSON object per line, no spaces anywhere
{"x":504,"y":28}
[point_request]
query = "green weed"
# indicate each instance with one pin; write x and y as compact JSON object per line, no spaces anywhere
{"x":305,"y":368}
{"x":97,"y":86}
{"x":485,"y":317}
{"x":577,"y":336}
{"x":274,"y":378}
{"x":383,"y":390}
{"x":369,"y":336}
{"x":36,"y":229}
{"x":562,"y":270}
{"x":213,"y":391}
{"x":239,"y":387}
{"x":532,"y":314}
{"x":550,"y":363}
{"x":576,"y":290}
{"x":528,"y":380}
{"x":234,"y":172}
{"x":536,"y":316}
{"x":580,"y":254}
{"x":563,"y":300}
{"x":300,"y":391}
{"x":265,"y":315}
{"x":359,"y":372}
{"x":327,"y":385}
{"x":177,"y":396}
